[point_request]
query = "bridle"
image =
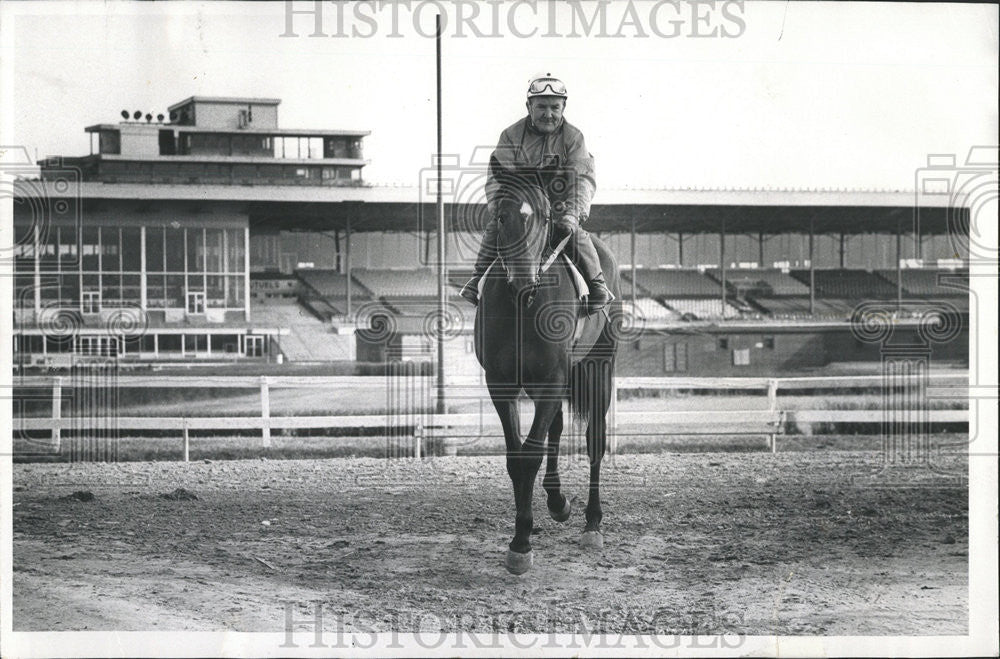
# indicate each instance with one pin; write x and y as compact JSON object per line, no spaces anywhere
{"x":542,"y":266}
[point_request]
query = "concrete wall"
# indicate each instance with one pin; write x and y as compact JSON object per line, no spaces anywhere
{"x":713,"y":353}
{"x":226,"y":115}
{"x":139,"y":140}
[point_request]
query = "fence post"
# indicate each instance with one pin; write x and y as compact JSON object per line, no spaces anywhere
{"x":187,"y":440}
{"x":265,"y":411}
{"x":418,"y":440}
{"x":772,"y":406}
{"x":57,"y":414}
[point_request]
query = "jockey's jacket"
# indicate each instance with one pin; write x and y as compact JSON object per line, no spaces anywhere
{"x":521,"y":145}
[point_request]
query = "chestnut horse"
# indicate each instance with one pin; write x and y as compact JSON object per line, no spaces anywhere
{"x":533,"y":335}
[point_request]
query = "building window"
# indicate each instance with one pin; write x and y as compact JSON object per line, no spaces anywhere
{"x":722,"y":343}
{"x":169,"y":342}
{"x":675,"y":357}
{"x":741,"y":357}
{"x":91,"y":301}
{"x":768,"y":343}
{"x":196,"y":302}
{"x":110,"y":141}
{"x":253,"y":345}
{"x":194,"y":343}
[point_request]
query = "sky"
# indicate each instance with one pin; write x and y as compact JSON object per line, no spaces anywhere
{"x":799,"y":95}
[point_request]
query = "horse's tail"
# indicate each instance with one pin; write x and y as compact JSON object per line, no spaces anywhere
{"x":591,"y":380}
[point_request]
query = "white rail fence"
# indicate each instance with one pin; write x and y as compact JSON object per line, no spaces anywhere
{"x":768,"y":422}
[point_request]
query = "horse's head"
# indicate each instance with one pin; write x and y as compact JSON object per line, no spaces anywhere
{"x":522,"y":213}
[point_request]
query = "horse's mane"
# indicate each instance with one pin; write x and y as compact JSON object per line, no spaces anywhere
{"x":523,"y":184}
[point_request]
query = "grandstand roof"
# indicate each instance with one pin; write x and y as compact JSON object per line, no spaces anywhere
{"x":315,"y":208}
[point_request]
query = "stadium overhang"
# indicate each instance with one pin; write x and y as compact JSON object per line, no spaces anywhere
{"x":375,"y":208}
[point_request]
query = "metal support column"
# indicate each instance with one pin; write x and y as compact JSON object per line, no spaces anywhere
{"x":632,"y":261}
{"x":442,"y":238}
{"x":722,"y":263}
{"x":899,"y":264}
{"x":347,"y":265}
{"x":812,"y":269}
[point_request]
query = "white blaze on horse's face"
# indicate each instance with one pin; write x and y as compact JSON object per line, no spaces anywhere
{"x":520,"y":242}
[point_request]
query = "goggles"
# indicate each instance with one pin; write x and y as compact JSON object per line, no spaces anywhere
{"x":547,"y":87}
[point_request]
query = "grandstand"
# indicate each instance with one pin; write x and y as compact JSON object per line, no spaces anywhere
{"x":930,"y":283}
{"x":650,"y":310}
{"x":229,"y":245}
{"x":760,"y":283}
{"x":308,"y":338}
{"x":848,"y":284}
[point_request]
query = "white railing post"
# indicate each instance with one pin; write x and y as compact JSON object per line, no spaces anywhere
{"x":57,"y":414}
{"x":418,"y":440}
{"x":187,"y":440}
{"x":265,"y":411}
{"x":772,"y":406}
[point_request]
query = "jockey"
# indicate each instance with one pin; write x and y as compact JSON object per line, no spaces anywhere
{"x":544,"y":139}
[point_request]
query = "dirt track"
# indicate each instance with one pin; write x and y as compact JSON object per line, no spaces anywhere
{"x":702,"y":543}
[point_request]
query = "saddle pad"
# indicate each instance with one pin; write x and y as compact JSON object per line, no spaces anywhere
{"x":582,"y":287}
{"x":482,"y":280}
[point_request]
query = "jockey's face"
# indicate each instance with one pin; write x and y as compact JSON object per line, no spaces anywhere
{"x":546,"y":112}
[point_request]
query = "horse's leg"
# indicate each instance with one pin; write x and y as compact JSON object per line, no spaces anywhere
{"x":601,"y":374}
{"x":519,"y":558}
{"x":557,"y":503}
{"x":523,"y":468}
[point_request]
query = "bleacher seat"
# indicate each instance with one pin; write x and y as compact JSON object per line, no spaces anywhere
{"x":308,"y":339}
{"x":702,"y":309}
{"x":760,"y":283}
{"x":648,"y":309}
{"x":930,"y":282}
{"x":418,"y":282}
{"x":333,"y":285}
{"x":671,"y":283}
{"x":848,"y":284}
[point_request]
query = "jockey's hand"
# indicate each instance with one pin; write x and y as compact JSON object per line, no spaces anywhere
{"x":570,"y":220}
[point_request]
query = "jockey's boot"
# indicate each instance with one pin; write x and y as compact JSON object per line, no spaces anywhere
{"x":585,"y":256}
{"x":487,"y":253}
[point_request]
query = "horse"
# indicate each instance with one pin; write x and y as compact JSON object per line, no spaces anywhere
{"x":532,"y":334}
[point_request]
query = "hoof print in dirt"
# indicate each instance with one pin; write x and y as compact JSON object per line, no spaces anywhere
{"x":79,"y":495}
{"x":180,"y":494}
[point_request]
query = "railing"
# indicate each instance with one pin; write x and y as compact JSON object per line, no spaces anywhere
{"x":767,"y":422}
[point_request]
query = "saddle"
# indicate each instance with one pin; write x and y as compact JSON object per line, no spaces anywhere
{"x":588,"y":328}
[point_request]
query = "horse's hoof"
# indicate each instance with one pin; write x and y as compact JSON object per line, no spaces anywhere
{"x":592,"y":540}
{"x":562,"y":515}
{"x":518,"y":563}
